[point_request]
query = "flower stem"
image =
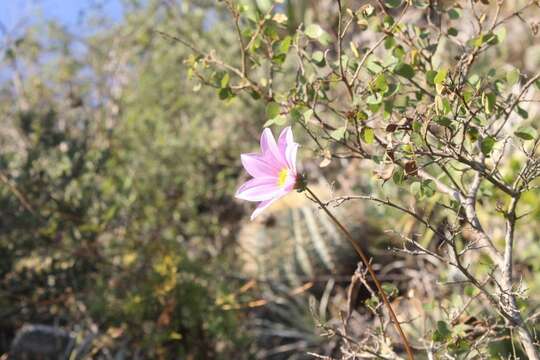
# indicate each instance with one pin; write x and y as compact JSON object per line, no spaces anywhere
{"x":364,"y":258}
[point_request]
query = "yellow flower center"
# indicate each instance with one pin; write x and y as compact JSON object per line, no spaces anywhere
{"x":282,"y":177}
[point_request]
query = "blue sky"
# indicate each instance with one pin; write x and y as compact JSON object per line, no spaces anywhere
{"x":14,"y":12}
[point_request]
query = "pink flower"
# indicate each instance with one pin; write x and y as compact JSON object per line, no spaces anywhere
{"x":274,"y":170}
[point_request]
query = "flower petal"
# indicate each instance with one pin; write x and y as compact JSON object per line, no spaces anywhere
{"x":258,"y":166}
{"x":290,"y":156}
{"x":258,"y":189}
{"x":285,"y":139}
{"x":264,"y":204}
{"x":269,"y":147}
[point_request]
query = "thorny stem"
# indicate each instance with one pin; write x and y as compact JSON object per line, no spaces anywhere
{"x":370,"y":270}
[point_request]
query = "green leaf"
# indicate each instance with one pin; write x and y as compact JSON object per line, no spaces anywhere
{"x":415,"y":188}
{"x":398,"y":177}
{"x":339,"y":133}
{"x":441,"y":76}
{"x":522,"y":112}
{"x":272,"y":110}
{"x":285,"y":44}
{"x":526,"y":133}
{"x":380,"y":83}
{"x":361,"y":116}
{"x":225,"y":80}
{"x":398,"y":52}
{"x":318,"y":58}
{"x":374,"y":65}
{"x":392,"y":89}
{"x":315,"y":31}
{"x":487,"y":145}
{"x":489,"y":102}
{"x":439,"y":79}
{"x":430,"y":77}
{"x":442,"y":333}
{"x":452,"y":31}
{"x":512,"y":77}
{"x":390,"y":289}
{"x":374,"y":99}
{"x":307,"y":115}
{"x":443,"y":105}
{"x":225,"y":93}
{"x":473,"y":133}
{"x":443,"y":121}
{"x":296,"y":114}
{"x":280,"y":120}
{"x":404,"y":70}
{"x":367,"y":134}
{"x":392,"y":4}
{"x":279,"y":58}
{"x":390,"y":42}
{"x":453,"y":14}
{"x":427,"y":188}
{"x":500,"y":33}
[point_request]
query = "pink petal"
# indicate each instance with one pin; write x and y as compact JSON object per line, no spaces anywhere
{"x":259,"y":189}
{"x":264,"y":204}
{"x":269,"y":146}
{"x":290,"y":156}
{"x":258,"y":166}
{"x":285,"y":138}
{"x":260,"y":208}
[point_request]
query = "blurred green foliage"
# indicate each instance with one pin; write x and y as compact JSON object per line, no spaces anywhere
{"x":116,"y":187}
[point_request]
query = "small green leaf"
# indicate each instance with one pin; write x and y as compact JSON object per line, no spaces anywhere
{"x":225,"y":93}
{"x":225,"y":80}
{"x":374,"y":65}
{"x":443,"y":121}
{"x":427,"y":188}
{"x":315,"y":31}
{"x":522,"y":112}
{"x":374,"y":99}
{"x":338,"y":133}
{"x":526,"y":133}
{"x":280,"y":120}
{"x":404,"y":70}
{"x":487,"y":145}
{"x":415,"y":188}
{"x":392,"y":3}
{"x":380,"y":83}
{"x":439,"y":79}
{"x":398,"y":177}
{"x":398,"y":52}
{"x":452,"y":31}
{"x":473,"y":133}
{"x":430,"y":77}
{"x":390,"y":289}
{"x":285,"y":44}
{"x":489,"y":102}
{"x":390,"y":42}
{"x":500,"y":33}
{"x":453,"y":14}
{"x":361,"y":116}
{"x":272,"y":110}
{"x":367,"y":134}
{"x":443,"y":105}
{"x":318,"y":58}
{"x":279,"y":58}
{"x":441,"y":76}
{"x":442,"y":333}
{"x":307,"y":115}
{"x":512,"y":77}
